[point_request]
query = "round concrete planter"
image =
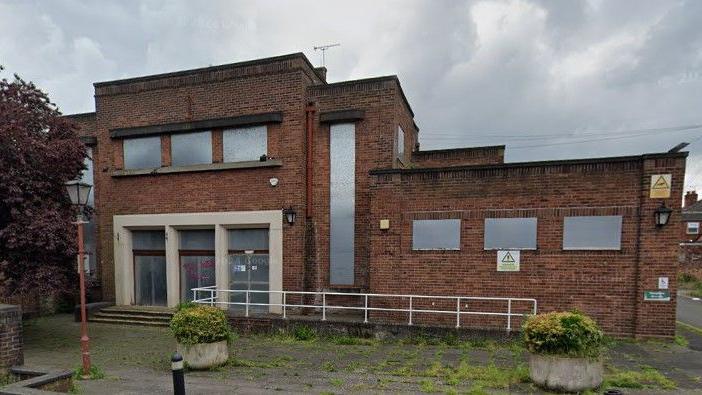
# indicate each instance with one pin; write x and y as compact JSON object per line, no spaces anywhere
{"x":563,"y":373}
{"x":204,"y":355}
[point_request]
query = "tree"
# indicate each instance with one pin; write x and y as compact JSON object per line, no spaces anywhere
{"x":39,"y":151}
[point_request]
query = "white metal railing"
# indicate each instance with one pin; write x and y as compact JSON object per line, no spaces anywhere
{"x":214,"y":299}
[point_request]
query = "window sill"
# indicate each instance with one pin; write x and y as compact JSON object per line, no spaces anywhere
{"x":198,"y":168}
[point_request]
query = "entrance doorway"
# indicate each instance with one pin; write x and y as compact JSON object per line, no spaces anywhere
{"x":197,"y":261}
{"x":249,"y":268}
{"x":149,"y":256}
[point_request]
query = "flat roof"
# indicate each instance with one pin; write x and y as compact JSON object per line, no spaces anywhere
{"x":611,"y":159}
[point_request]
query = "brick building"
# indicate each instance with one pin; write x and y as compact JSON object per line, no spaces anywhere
{"x":690,"y":257}
{"x":193,"y":171}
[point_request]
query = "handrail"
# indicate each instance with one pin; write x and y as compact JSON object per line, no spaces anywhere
{"x":214,"y":299}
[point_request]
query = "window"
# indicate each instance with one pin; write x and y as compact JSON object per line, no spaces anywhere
{"x":592,"y":233}
{"x":342,"y":202}
{"x":197,"y":261}
{"x":693,"y":228}
{"x":245,"y":144}
{"x":249,"y":267}
{"x":142,"y":152}
{"x":436,"y":234}
{"x":400,"y":144}
{"x":191,"y":148}
{"x":510,"y":233}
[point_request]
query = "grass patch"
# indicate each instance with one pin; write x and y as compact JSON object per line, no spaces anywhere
{"x":482,"y":376}
{"x":344,"y":340}
{"x":336,"y":382}
{"x":690,"y":327}
{"x":647,"y":377}
{"x":95,"y":373}
{"x":328,"y":366}
{"x":681,"y":341}
{"x":6,"y":379}
{"x":427,"y":386}
{"x":304,"y":333}
{"x":278,"y":362}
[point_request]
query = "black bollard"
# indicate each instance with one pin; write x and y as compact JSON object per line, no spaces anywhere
{"x":178,"y":377}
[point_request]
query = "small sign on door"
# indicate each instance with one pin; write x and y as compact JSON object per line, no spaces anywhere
{"x":508,"y":260}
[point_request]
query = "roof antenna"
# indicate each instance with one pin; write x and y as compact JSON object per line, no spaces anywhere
{"x":678,"y":147}
{"x":324,"y":49}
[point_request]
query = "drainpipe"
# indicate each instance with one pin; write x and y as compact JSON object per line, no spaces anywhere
{"x":310,"y":109}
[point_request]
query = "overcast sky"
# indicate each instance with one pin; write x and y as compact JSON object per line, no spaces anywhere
{"x":538,"y":76}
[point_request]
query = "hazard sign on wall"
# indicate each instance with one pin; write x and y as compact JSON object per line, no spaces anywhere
{"x":508,"y":261}
{"x":660,"y":186}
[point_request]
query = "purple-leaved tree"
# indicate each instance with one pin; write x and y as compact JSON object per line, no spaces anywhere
{"x":39,"y":151}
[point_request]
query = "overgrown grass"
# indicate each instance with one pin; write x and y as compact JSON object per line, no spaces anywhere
{"x":278,"y":362}
{"x":646,"y":377}
{"x":96,"y":373}
{"x":681,"y":341}
{"x":691,"y":283}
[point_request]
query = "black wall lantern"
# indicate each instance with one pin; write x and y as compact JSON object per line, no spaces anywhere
{"x":290,"y":215}
{"x":662,"y":215}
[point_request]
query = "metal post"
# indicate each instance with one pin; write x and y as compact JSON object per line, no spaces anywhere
{"x":285,"y":304}
{"x":410,"y":312}
{"x":458,"y":312}
{"x":365,"y":310}
{"x":509,"y":315}
{"x":247,"y":302}
{"x":84,"y":339}
{"x":178,"y":377}
{"x":194,"y":295}
{"x":324,"y":306}
{"x":212,"y":297}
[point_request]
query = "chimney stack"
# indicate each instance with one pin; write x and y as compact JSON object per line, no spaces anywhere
{"x":690,"y":198}
{"x":321,"y":73}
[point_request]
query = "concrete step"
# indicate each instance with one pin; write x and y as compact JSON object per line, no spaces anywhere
{"x":129,"y":310}
{"x":119,"y":321}
{"x":132,"y":316}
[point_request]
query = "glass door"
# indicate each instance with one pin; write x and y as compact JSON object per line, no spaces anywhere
{"x":149,"y":254}
{"x":249,"y":268}
{"x":197,"y":262}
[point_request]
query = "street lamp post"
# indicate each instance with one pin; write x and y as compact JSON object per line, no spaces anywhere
{"x":79,"y":192}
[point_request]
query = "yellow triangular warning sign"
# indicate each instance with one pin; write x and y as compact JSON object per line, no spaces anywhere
{"x":660,"y":183}
{"x":507,"y":258}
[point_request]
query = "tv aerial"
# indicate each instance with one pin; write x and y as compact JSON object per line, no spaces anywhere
{"x":324,"y":49}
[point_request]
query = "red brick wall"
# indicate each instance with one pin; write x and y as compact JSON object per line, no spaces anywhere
{"x":460,"y":157}
{"x":10,"y":337}
{"x":278,"y":86}
{"x":375,"y":135}
{"x":607,"y":284}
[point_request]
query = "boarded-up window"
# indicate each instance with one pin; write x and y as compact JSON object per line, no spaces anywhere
{"x":142,"y":152}
{"x":436,"y":234}
{"x":245,"y":144}
{"x":342,"y":202}
{"x":510,"y":233}
{"x":592,"y":233}
{"x":191,"y":148}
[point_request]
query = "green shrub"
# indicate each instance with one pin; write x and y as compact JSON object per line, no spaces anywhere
{"x":200,"y":324}
{"x":185,"y":305}
{"x":563,"y":333}
{"x":304,"y":333}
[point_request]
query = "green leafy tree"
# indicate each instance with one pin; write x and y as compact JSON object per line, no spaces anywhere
{"x":39,"y":151}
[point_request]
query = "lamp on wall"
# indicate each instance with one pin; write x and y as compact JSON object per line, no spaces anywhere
{"x":290,"y":215}
{"x":662,"y":215}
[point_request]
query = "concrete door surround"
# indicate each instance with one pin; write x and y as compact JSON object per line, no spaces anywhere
{"x":123,"y":225}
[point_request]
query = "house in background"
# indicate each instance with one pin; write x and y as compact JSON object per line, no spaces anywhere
{"x":263,"y":176}
{"x":691,"y":246}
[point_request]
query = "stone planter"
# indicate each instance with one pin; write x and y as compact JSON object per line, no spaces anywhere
{"x":563,"y":373}
{"x":204,"y":355}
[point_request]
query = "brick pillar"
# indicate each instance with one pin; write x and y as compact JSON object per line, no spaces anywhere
{"x":658,"y":248}
{"x":10,"y":337}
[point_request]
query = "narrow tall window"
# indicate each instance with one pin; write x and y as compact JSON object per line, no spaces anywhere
{"x":197,"y":261}
{"x":592,"y":233}
{"x":400,"y":144}
{"x":245,"y":144}
{"x":191,"y":148}
{"x":342,"y":201}
{"x":142,"y":152}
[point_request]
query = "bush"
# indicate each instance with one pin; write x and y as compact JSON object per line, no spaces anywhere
{"x":304,"y":333}
{"x":201,"y":324}
{"x":563,"y":333}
